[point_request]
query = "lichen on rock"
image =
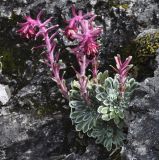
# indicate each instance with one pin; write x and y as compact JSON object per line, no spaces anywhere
{"x":147,"y":43}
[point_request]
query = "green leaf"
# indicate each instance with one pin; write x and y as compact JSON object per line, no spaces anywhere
{"x":75,"y":84}
{"x":89,"y":133}
{"x":116,"y":84}
{"x":108,"y":83}
{"x":109,"y":132}
{"x":94,"y":121}
{"x":79,"y":118}
{"x":106,"y":102}
{"x":131,"y":84}
{"x":86,"y":117}
{"x":79,"y":126}
{"x":93,"y":134}
{"x":105,"y":110}
{"x":108,"y":144}
{"x":101,"y":96}
{"x":91,"y":124}
{"x":112,"y":115}
{"x":131,"y":81}
{"x":77,"y":104}
{"x":74,"y":94}
{"x":99,"y":89}
{"x":100,"y":139}
{"x":112,"y":95}
{"x":102,"y":76}
{"x":99,"y":109}
{"x":120,"y":134}
{"x":74,"y":114}
{"x":121,"y":114}
{"x":111,"y":109}
{"x":117,"y":111}
{"x":86,"y":127}
{"x":116,"y":120}
{"x":106,"y":117}
{"x":105,"y":106}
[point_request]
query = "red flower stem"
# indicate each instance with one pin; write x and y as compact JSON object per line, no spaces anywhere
{"x":82,"y":77}
{"x":53,"y":64}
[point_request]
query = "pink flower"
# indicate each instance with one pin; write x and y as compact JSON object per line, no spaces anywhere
{"x":52,"y":59}
{"x":28,"y":28}
{"x":81,"y":30}
{"x":122,"y":69}
{"x":74,"y":22}
{"x":87,"y":39}
{"x":70,"y":32}
{"x":91,"y":48}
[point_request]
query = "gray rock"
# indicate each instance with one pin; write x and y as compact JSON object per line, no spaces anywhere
{"x":91,"y":153}
{"x":24,"y":134}
{"x":5,"y":94}
{"x":143,"y":124}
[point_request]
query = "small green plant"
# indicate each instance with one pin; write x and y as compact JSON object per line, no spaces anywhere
{"x":102,"y":117}
{"x":97,"y":102}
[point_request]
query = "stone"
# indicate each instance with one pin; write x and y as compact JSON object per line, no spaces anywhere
{"x":143,"y":122}
{"x":5,"y":94}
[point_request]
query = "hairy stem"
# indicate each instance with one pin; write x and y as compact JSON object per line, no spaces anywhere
{"x":83,"y":78}
{"x":52,"y":62}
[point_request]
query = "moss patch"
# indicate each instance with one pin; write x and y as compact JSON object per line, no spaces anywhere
{"x":147,"y":45}
{"x":117,"y":4}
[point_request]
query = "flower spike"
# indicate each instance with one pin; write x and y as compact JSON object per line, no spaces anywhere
{"x":33,"y":28}
{"x":122,"y":69}
{"x":74,"y":22}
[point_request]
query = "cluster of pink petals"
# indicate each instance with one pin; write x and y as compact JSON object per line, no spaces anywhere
{"x":35,"y":28}
{"x":122,"y":69}
{"x":87,"y":39}
{"x":28,"y":28}
{"x":75,"y":21}
{"x":80,"y":28}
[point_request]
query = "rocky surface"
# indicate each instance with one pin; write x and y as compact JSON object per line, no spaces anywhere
{"x":23,"y":133}
{"x":24,"y":137}
{"x":4,"y":94}
{"x":143,"y":142}
{"x":34,"y":124}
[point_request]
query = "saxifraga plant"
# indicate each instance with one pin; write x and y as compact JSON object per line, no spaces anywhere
{"x":103,"y":116}
{"x":97,"y":102}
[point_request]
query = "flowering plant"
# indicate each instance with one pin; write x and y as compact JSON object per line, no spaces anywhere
{"x":97,"y":102}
